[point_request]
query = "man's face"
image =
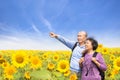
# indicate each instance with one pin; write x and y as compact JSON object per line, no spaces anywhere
{"x":81,"y":37}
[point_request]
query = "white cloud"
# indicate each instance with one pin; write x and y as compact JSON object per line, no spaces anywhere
{"x":43,"y":43}
{"x":4,"y":27}
{"x":107,"y":39}
{"x":35,"y":28}
{"x":11,"y":29}
{"x":4,"y":37}
{"x":46,"y":23}
{"x":10,"y":42}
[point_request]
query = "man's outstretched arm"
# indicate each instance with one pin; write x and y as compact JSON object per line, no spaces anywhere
{"x":65,"y":41}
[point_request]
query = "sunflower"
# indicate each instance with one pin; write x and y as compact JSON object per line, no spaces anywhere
{"x":56,"y":57}
{"x":51,"y":66}
{"x":67,"y":73}
{"x":117,"y":63}
{"x":45,"y":56}
{"x":99,"y":50}
{"x":9,"y":72}
{"x":115,"y":71}
{"x":0,"y":56}
{"x":5,"y":64}
{"x":105,"y":50}
{"x":73,"y":77}
{"x":109,"y":66}
{"x":65,"y":54}
{"x":2,"y":61}
{"x":27,"y":75}
{"x":100,"y":46}
{"x":35,"y":62}
{"x":19,"y":59}
{"x":63,"y":66}
{"x":112,"y":57}
{"x":112,"y":76}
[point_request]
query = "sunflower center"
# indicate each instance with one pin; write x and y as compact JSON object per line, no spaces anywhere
{"x":10,"y":72}
{"x":56,"y":57}
{"x":45,"y":56}
{"x":5,"y":64}
{"x":73,"y":77}
{"x":112,"y":57}
{"x":51,"y":65}
{"x":19,"y":59}
{"x":63,"y":66}
{"x":0,"y":56}
{"x":100,"y":46}
{"x":105,"y":50}
{"x":35,"y":62}
{"x":2,"y":61}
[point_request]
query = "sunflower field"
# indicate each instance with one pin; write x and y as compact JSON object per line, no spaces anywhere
{"x":50,"y":65}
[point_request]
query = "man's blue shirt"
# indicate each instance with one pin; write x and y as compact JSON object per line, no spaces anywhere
{"x":76,"y":54}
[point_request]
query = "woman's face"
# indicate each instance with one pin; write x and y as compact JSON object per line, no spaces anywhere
{"x":88,"y":45}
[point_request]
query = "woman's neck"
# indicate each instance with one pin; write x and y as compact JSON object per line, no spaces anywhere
{"x":90,"y":51}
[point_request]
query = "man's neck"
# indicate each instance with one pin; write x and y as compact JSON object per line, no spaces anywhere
{"x":82,"y":44}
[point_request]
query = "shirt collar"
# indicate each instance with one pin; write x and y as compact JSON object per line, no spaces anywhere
{"x":83,"y":46}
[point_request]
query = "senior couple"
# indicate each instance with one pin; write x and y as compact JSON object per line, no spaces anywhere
{"x":82,"y":62}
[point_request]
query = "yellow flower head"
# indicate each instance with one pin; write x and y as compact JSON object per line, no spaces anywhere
{"x":35,"y":62}
{"x":9,"y":71}
{"x":104,"y":50}
{"x":56,"y":57}
{"x":112,"y":76}
{"x":5,"y":64}
{"x":51,"y":66}
{"x":66,"y":54}
{"x":45,"y":56}
{"x":117,"y":63}
{"x":109,"y":66}
{"x":0,"y":56}
{"x":112,"y":57}
{"x":27,"y":75}
{"x":19,"y":59}
{"x":100,"y":46}
{"x":115,"y":71}
{"x":63,"y":66}
{"x":2,"y":61}
{"x":73,"y":77}
{"x":67,"y":73}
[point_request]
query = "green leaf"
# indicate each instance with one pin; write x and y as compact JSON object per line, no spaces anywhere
{"x":18,"y":76}
{"x":57,"y":74}
{"x":1,"y":78}
{"x":61,"y":78}
{"x":42,"y":74}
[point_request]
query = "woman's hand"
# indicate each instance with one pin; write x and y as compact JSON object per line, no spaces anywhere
{"x":95,"y":61}
{"x":81,"y":61}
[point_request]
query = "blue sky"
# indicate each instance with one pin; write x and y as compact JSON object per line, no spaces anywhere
{"x":25,"y":24}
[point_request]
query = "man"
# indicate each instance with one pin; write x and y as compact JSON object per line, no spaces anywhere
{"x":78,"y":49}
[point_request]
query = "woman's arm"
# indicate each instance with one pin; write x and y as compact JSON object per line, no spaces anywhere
{"x":99,"y":61}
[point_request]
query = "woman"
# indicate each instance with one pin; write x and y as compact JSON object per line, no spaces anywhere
{"x":89,"y":64}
